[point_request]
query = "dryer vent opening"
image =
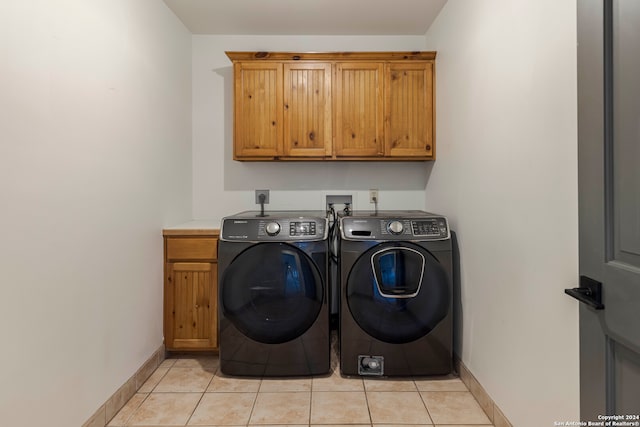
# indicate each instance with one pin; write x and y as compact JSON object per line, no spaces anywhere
{"x":371,"y":365}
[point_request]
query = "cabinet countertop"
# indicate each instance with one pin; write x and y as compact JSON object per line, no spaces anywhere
{"x":200,"y":227}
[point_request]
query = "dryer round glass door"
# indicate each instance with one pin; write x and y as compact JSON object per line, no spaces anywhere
{"x":398,"y":292}
{"x":272,"y":292}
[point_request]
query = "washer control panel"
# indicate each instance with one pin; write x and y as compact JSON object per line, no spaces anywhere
{"x":389,"y":228}
{"x":432,"y":227}
{"x":270,"y":229}
{"x":302,"y":228}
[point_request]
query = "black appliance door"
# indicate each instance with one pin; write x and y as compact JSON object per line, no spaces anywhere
{"x":398,"y":292}
{"x":272,"y":292}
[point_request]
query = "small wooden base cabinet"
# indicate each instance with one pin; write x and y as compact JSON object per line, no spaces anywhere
{"x":334,"y":106}
{"x":190,"y":289}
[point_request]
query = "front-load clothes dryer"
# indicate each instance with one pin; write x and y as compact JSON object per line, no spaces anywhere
{"x":395,"y":270}
{"x":273,"y":294}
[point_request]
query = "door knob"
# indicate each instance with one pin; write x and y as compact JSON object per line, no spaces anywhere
{"x":589,"y":292}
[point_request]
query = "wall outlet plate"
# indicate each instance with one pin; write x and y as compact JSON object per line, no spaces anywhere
{"x":266,"y":196}
{"x":373,"y":195}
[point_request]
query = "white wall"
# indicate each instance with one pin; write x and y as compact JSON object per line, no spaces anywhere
{"x":222,"y":186}
{"x":506,"y":175}
{"x":95,"y":158}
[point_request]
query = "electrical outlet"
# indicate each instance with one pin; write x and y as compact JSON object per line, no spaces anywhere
{"x":266,"y":196}
{"x":373,"y":195}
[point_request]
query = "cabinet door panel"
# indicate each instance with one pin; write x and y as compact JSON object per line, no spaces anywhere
{"x":359,"y":109}
{"x":409,"y":109}
{"x":192,"y":289}
{"x":258,"y":105}
{"x":307,"y":109}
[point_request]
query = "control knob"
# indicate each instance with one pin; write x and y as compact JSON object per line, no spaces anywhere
{"x":272,"y":228}
{"x":395,"y":227}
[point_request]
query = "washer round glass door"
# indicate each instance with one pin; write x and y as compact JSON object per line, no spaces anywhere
{"x":397,"y":292}
{"x":272,"y":292}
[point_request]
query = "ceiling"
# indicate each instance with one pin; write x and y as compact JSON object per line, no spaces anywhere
{"x":307,"y":17}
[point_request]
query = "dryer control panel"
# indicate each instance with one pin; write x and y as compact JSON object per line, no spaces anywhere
{"x":274,"y":227}
{"x":394,"y":228}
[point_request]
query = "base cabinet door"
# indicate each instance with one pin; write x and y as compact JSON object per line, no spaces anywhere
{"x":192,"y":295}
{"x":190,"y":290}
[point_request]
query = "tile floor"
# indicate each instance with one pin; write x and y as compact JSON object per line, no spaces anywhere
{"x":190,"y":391}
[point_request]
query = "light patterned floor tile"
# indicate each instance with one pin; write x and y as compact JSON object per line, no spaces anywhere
{"x":165,"y":409}
{"x":153,"y":380}
{"x":127,"y":410}
{"x":281,"y":408}
{"x":209,"y":363}
{"x":444,"y":384}
{"x":463,"y":425}
{"x":454,"y":407}
{"x":344,"y":407}
{"x":184,"y":380}
{"x":221,"y":383}
{"x":173,"y":396}
{"x":285,"y":384}
{"x":291,"y":425}
{"x":391,"y":407}
{"x":168,"y":363}
{"x":407,"y":425}
{"x":343,"y":425}
{"x":221,"y":409}
{"x":336,"y":382}
{"x":384,"y":384}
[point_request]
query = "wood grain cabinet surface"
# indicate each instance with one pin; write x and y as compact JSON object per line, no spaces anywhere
{"x":359,"y":109}
{"x":334,"y":106}
{"x":307,"y":109}
{"x":190,"y":290}
{"x":258,"y":109}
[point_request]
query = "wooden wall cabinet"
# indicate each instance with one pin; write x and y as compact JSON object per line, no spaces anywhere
{"x":190,"y":290}
{"x":334,"y":106}
{"x":409,"y":109}
{"x":307,"y":109}
{"x":258,"y":109}
{"x":359,"y":109}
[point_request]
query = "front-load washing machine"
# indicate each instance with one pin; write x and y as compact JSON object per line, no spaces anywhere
{"x":273,"y":294}
{"x":395,"y":271}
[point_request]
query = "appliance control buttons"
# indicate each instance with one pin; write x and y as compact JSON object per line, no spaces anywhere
{"x":272,"y":228}
{"x":395,"y":227}
{"x":432,"y":228}
{"x":302,"y":228}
